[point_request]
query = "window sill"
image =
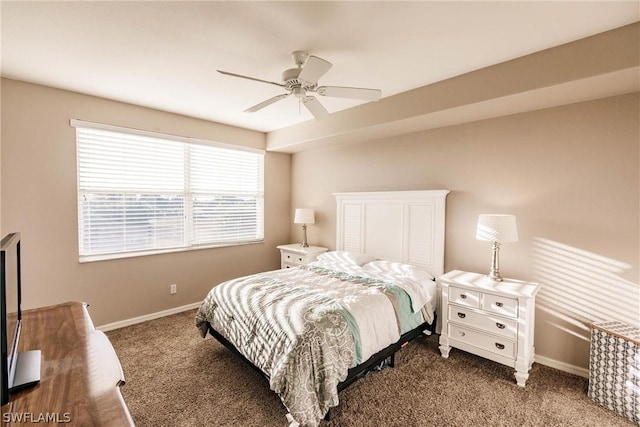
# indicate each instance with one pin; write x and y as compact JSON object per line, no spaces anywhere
{"x":121,"y":255}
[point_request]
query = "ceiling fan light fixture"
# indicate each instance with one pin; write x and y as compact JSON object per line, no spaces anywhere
{"x":299,"y":92}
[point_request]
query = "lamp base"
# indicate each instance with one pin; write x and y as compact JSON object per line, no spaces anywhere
{"x":304,"y":243}
{"x":495,"y":276}
{"x":494,"y":273}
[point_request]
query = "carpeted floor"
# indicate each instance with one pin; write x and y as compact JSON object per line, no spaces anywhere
{"x":176,"y":378}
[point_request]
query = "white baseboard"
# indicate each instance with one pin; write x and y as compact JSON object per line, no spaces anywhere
{"x":147,"y":317}
{"x":561,"y":366}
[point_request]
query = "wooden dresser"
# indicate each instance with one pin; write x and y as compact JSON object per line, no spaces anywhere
{"x":80,"y":375}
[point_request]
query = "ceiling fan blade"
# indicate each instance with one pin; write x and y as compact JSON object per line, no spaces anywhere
{"x":314,"y":69}
{"x":226,"y":73}
{"x":313,"y":105}
{"x":350,"y":92}
{"x":266,"y":103}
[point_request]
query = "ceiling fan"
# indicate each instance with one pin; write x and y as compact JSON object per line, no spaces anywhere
{"x":303,"y":80}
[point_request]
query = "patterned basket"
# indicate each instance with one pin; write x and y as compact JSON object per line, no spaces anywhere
{"x":614,"y":366}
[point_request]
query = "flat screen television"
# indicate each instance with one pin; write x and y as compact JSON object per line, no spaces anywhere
{"x":19,"y":369}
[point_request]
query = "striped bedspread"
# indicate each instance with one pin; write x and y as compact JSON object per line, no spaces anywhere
{"x":305,"y":327}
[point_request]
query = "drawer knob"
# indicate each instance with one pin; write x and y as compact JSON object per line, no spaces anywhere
{"x":500,"y":346}
{"x":288,"y":256}
{"x":463,"y":296}
{"x":500,"y":325}
{"x":462,"y":315}
{"x":499,"y":304}
{"x":300,"y":259}
{"x":461,"y":333}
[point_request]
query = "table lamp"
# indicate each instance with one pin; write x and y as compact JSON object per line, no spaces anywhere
{"x":304,"y":216}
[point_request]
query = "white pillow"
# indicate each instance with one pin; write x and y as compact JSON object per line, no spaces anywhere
{"x":346,"y":257}
{"x":398,"y":268}
{"x":416,"y":281}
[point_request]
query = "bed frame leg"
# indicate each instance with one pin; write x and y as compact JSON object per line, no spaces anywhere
{"x":393,"y":361}
{"x":327,"y":416}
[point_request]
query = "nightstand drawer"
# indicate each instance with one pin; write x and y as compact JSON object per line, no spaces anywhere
{"x":486,"y":342}
{"x":464,"y":297}
{"x":504,"y":327}
{"x":291,"y":258}
{"x":500,"y":305}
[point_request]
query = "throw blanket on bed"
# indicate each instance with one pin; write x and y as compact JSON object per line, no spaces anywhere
{"x":305,"y":327}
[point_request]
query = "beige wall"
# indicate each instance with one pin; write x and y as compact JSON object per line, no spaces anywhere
{"x":38,"y":198}
{"x":569,"y":173}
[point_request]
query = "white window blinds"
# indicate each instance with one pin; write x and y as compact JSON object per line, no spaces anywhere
{"x":145,"y":193}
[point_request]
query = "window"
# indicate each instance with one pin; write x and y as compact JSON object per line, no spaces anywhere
{"x":141,"y":193}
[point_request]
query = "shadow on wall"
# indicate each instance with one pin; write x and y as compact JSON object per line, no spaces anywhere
{"x":580,"y":287}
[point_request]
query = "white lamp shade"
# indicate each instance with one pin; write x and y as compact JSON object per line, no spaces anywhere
{"x":304,"y":216}
{"x":497,"y":228}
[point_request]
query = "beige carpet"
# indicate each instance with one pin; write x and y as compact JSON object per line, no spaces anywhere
{"x":176,"y":378}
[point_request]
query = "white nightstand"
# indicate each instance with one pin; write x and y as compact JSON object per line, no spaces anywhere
{"x":491,"y":319}
{"x":295,"y":255}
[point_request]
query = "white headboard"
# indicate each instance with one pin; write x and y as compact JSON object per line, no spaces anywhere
{"x":404,"y":226}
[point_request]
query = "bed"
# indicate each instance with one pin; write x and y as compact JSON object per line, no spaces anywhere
{"x":313,"y":330}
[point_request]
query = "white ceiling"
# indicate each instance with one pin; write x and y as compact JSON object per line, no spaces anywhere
{"x":165,"y":55}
